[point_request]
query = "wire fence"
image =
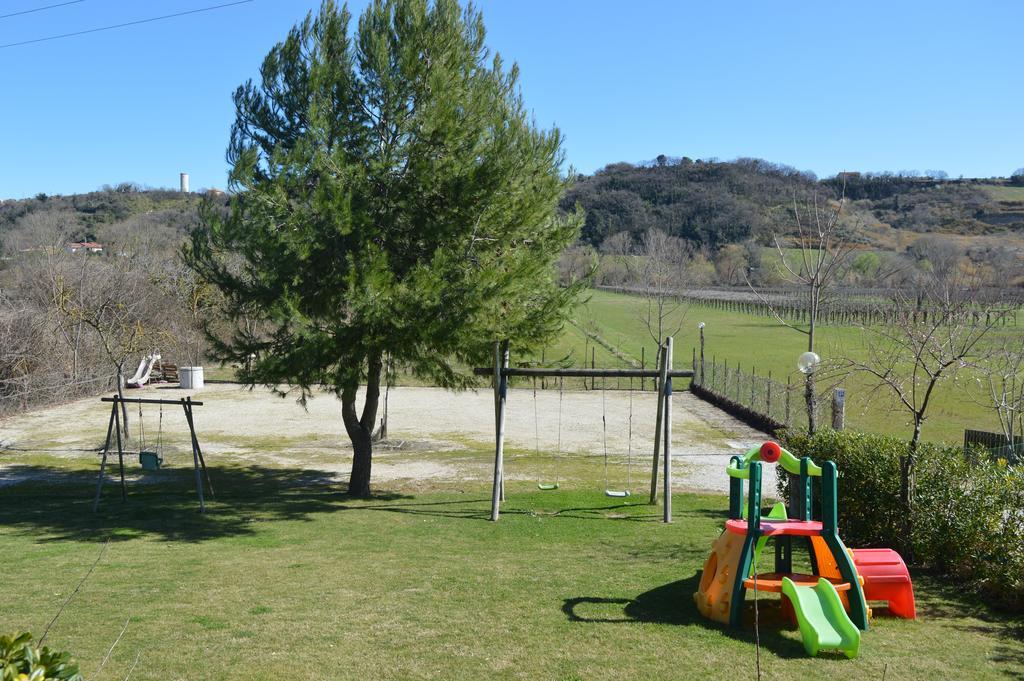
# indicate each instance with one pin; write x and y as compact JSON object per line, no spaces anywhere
{"x":22,"y":393}
{"x":778,"y":404}
{"x":997,"y":445}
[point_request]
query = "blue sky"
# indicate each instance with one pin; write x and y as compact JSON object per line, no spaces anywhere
{"x":819,"y":86}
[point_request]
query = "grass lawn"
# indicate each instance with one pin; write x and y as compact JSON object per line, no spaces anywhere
{"x":285,"y":577}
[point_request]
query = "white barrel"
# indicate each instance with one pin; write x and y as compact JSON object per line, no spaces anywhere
{"x":191,"y":378}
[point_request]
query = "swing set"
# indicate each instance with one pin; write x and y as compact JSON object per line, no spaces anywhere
{"x":662,"y":428}
{"x":547,"y":486}
{"x":150,"y":459}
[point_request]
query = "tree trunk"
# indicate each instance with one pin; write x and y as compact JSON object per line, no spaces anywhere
{"x":809,"y":397}
{"x":389,"y":374}
{"x":907,"y":491}
{"x":360,"y":428}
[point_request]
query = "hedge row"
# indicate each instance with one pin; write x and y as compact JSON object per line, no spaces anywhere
{"x":968,"y":515}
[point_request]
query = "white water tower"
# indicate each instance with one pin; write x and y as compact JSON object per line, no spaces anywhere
{"x":184,"y":183}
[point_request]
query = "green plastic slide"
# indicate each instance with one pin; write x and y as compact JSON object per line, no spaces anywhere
{"x":823,"y":621}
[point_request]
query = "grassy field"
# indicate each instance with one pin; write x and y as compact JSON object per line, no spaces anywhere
{"x":760,"y":343}
{"x":1005,"y":192}
{"x":285,"y":577}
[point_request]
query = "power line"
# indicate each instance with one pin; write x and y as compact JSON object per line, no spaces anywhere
{"x":129,"y":23}
{"x":40,"y":9}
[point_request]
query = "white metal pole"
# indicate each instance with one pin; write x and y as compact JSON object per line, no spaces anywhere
{"x":662,"y":375}
{"x":667,"y":437}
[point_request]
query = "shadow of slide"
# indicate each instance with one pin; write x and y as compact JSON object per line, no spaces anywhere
{"x":673,"y":604}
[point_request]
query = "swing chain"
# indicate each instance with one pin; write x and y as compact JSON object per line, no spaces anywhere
{"x":160,"y":434}
{"x":142,"y":430}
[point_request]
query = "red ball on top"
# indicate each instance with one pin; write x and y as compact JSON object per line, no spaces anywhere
{"x":770,"y":452}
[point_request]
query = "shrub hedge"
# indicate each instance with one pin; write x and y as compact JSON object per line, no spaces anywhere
{"x":968,"y":514}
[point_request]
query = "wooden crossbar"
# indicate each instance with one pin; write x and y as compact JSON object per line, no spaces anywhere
{"x":146,"y":400}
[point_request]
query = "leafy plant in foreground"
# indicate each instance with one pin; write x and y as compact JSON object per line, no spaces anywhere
{"x":22,"y":660}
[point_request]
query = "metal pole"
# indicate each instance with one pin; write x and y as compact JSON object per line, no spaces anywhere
{"x":195,"y":458}
{"x":103,"y":461}
{"x":667,"y":438}
{"x":643,"y":365}
{"x":660,"y":382}
{"x":702,"y":355}
{"x":190,"y":417}
{"x":120,"y":448}
{"x":500,"y":359}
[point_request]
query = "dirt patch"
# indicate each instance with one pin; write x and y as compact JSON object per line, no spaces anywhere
{"x":435,"y":435}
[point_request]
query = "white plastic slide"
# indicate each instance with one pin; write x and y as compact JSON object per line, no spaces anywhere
{"x":141,"y":376}
{"x":139,"y":371}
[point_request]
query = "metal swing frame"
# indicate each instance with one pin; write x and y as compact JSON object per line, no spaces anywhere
{"x":501,"y":371}
{"x":114,"y":426}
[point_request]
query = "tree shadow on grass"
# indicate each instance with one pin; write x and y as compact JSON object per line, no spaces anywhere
{"x":943,"y":597}
{"x":55,"y":504}
{"x":673,"y":604}
{"x":438,"y":509}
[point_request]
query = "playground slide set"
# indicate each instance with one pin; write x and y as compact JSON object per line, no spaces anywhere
{"x":829,"y":605}
{"x":141,"y":376}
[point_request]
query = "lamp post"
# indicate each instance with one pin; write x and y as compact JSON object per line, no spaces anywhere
{"x":807,"y":363}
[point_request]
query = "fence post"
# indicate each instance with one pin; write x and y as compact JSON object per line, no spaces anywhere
{"x":753,"y":388}
{"x":739,"y":377}
{"x":838,"y":409}
{"x":768,"y":396}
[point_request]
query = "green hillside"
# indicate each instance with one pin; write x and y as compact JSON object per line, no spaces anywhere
{"x":711,"y":203}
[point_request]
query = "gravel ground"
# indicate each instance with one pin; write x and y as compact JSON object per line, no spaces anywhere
{"x":435,"y":435}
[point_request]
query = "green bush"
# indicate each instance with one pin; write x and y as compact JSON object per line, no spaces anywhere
{"x":21,"y":659}
{"x":968,"y":515}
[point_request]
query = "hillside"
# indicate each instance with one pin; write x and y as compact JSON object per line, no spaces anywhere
{"x":712,"y":203}
{"x":706,"y":203}
{"x":108,"y":216}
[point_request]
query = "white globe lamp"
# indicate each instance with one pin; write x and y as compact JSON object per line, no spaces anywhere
{"x":808,"y":362}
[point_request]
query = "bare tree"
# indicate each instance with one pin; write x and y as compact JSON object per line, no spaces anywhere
{"x":113,"y":300}
{"x":938,"y":258}
{"x":577,"y":262}
{"x":1003,"y":383}
{"x":656,"y":273}
{"x":194,"y":300}
{"x":619,"y":244}
{"x":822,"y":252}
{"x":731,"y":264}
{"x":17,"y":343}
{"x":920,"y":348}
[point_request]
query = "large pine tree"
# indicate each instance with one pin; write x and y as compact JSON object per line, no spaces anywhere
{"x":391,"y":198}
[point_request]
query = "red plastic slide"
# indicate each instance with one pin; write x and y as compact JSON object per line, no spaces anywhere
{"x":886,"y":579}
